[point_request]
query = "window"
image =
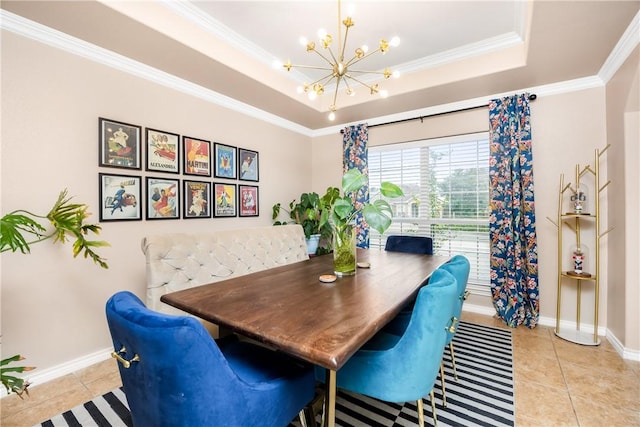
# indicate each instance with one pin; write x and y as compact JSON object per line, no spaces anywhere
{"x":446,"y":186}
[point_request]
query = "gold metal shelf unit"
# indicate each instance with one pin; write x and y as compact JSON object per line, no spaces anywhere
{"x":574,"y":221}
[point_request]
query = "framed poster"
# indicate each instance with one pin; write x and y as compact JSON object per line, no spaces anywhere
{"x":224,"y":200}
{"x":119,"y":144}
{"x":197,"y":156}
{"x":162,"y":151}
{"x":163,"y":198}
{"x":225,"y":158}
{"x":247,"y":165}
{"x":119,"y":197}
{"x":248,"y":196}
{"x":197,"y":195}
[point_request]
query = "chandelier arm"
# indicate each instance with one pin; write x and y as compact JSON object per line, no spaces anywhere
{"x":312,"y":67}
{"x":346,"y":83}
{"x":327,"y":59}
{"x":355,"y":58}
{"x":344,"y":44}
{"x":335,"y":93}
{"x":367,"y":72}
{"x":327,"y":77}
{"x":349,"y":76}
{"x":339,"y":27}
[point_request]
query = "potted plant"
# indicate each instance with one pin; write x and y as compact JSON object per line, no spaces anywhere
{"x":312,"y":213}
{"x":67,"y":220}
{"x":343,"y":215}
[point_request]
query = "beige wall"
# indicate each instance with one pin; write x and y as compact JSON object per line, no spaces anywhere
{"x":52,"y":304}
{"x":623,"y":133}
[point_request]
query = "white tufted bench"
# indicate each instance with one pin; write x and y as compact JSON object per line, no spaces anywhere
{"x":177,"y":261}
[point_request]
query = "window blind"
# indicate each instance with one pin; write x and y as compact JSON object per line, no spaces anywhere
{"x":446,"y":186}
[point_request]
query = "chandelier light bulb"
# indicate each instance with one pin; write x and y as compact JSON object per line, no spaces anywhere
{"x":395,"y":41}
{"x":332,"y":116}
{"x":322,"y":33}
{"x":276,"y":64}
{"x":311,"y":95}
{"x":365,"y":48}
{"x":303,"y":41}
{"x":384,"y":93}
{"x":395,"y":74}
{"x":300,"y":89}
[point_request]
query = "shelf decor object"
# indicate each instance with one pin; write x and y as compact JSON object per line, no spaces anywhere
{"x":584,"y":269}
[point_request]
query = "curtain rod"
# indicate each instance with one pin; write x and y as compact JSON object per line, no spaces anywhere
{"x":532,"y":97}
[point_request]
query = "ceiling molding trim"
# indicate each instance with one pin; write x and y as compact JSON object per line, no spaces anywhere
{"x":482,"y":47}
{"x":206,"y":22}
{"x":521,"y":18}
{"x":212,"y":26}
{"x":41,"y":33}
{"x":541,"y":91}
{"x":627,"y":43}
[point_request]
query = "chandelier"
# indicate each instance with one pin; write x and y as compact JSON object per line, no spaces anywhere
{"x":341,"y":71}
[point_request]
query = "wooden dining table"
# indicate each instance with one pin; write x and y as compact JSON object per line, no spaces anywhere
{"x":289,"y":309}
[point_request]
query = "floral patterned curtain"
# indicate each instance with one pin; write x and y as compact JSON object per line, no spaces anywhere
{"x":512,"y":227}
{"x":354,"y":150}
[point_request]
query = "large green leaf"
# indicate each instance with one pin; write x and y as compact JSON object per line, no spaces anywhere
{"x":353,"y":180}
{"x":376,"y":218}
{"x":390,"y":190}
{"x":343,"y":208}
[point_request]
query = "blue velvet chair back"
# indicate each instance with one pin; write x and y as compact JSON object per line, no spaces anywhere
{"x":410,"y":244}
{"x":459,"y":267}
{"x":403,"y":368}
{"x":183,"y":377}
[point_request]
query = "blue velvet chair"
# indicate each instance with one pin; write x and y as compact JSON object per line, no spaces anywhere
{"x":409,"y":244}
{"x":175,"y":374}
{"x":403,"y":368}
{"x":459,"y":267}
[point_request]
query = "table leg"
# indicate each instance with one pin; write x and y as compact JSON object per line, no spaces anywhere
{"x":329,"y":413}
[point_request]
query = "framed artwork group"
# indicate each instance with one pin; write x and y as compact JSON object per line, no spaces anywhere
{"x":122,"y":196}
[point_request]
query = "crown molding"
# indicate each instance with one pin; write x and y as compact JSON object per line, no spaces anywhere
{"x":41,"y":33}
{"x":627,"y":43}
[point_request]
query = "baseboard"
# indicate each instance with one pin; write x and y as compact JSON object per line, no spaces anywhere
{"x":45,"y":375}
{"x":625,"y":353}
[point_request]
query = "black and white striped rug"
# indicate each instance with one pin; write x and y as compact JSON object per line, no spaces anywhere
{"x":482,"y":396}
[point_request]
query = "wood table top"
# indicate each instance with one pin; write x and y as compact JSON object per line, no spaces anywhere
{"x":289,"y":309}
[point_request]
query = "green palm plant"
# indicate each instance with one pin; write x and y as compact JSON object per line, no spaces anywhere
{"x":20,"y":229}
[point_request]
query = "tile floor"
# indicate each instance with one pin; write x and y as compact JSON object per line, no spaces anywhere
{"x":557,"y":383}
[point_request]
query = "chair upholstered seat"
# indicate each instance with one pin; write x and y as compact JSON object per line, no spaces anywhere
{"x":184,"y":378}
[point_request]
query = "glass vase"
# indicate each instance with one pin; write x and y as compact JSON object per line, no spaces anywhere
{"x":344,"y":250}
